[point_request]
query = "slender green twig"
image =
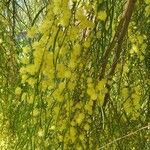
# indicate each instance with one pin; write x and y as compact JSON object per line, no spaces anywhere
{"x":125,"y":136}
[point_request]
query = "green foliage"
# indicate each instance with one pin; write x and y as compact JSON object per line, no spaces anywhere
{"x":74,"y":74}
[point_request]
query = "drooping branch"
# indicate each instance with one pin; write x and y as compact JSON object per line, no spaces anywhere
{"x":126,"y":19}
{"x":116,"y":44}
{"x":118,"y":37}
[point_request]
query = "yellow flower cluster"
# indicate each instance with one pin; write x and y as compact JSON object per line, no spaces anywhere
{"x":58,"y":68}
{"x":102,"y":15}
{"x":31,"y":33}
{"x":132,"y":101}
{"x":18,"y":91}
{"x":97,"y":92}
{"x":137,"y":42}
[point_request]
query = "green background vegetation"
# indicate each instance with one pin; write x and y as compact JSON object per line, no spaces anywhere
{"x":74,"y":74}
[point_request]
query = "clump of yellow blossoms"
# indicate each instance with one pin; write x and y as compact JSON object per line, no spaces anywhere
{"x":57,"y":66}
{"x":63,"y":89}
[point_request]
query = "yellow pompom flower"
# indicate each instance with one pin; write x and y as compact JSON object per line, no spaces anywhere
{"x":77,"y":49}
{"x":62,"y":86}
{"x":25,"y":60}
{"x":35,"y":112}
{"x":72,"y":133}
{"x":58,"y":96}
{"x":88,"y":108}
{"x":32,"y":69}
{"x":18,"y":91}
{"x":94,"y":96}
{"x":67,"y":74}
{"x":101,"y":84}
{"x":128,"y":106}
{"x":64,"y":21}
{"x":101,"y":99}
{"x":80,"y":118}
{"x":26,"y":50}
{"x":86,"y":127}
{"x":32,"y":32}
{"x":30,"y":99}
{"x":87,"y":44}
{"x":44,"y":85}
{"x":60,"y":70}
{"x":24,"y":77}
{"x":102,"y":15}
{"x":89,"y":80}
{"x":31,"y":81}
{"x":82,"y":137}
{"x":23,"y":70}
{"x":41,"y":133}
{"x":72,"y":64}
{"x":125,"y":92}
